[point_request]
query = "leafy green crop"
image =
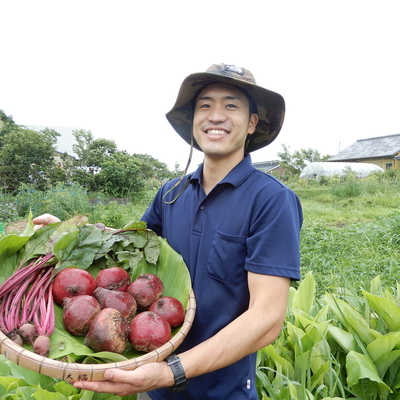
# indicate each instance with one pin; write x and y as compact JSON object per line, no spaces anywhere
{"x":338,"y":346}
{"x":18,"y":383}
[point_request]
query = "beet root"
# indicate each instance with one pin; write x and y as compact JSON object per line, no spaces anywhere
{"x":79,"y":313}
{"x":146,"y":289}
{"x":149,"y":331}
{"x":108,"y":332}
{"x":121,"y":301}
{"x":41,"y":346}
{"x":28,"y":333}
{"x":114,"y":278}
{"x":170,"y":309}
{"x":71,"y":282}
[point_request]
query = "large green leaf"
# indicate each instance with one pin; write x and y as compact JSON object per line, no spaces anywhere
{"x":343,"y":338}
{"x":383,"y":345}
{"x":42,"y":394}
{"x":30,"y":377}
{"x":303,"y":299}
{"x":384,"y":351}
{"x":78,"y":248}
{"x":363,"y":377}
{"x":385,"y":309}
{"x":351,"y":319}
{"x":281,"y":364}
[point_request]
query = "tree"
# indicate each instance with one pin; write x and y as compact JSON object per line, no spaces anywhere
{"x":26,"y":156}
{"x":92,"y":152}
{"x":98,"y":151}
{"x":152,"y":169}
{"x":294,"y":163}
{"x":83,"y":139}
{"x":120,"y":175}
{"x":7,"y":125}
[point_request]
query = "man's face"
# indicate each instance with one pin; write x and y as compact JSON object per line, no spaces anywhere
{"x":222,"y":121}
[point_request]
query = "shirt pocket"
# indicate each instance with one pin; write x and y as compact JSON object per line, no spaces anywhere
{"x":227,"y":258}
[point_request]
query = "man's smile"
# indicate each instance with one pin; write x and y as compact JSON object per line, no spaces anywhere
{"x":217,"y":132}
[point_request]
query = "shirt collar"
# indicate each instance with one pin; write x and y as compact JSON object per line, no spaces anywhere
{"x":235,"y":177}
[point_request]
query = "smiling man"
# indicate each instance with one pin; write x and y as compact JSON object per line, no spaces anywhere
{"x":221,"y":124}
{"x":237,"y":230}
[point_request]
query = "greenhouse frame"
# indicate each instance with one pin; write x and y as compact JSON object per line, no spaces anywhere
{"x":316,"y":170}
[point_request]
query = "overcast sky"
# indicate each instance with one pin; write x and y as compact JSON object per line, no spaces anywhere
{"x":115,"y":67}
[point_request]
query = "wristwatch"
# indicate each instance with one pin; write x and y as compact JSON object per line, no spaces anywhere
{"x":179,"y":374}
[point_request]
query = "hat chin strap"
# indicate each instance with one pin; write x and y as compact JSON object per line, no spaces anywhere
{"x":182,"y":176}
{"x":246,"y":144}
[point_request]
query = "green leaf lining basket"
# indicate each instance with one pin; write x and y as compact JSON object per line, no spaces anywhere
{"x":62,"y":362}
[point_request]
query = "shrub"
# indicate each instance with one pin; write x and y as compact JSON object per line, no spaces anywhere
{"x":8,"y":209}
{"x":62,"y":200}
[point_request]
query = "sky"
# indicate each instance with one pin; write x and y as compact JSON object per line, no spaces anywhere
{"x":115,"y":67}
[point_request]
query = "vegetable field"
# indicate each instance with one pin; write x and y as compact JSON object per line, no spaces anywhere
{"x":341,"y":335}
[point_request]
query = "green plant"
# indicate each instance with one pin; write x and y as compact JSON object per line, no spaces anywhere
{"x":62,"y":200}
{"x":341,"y":346}
{"x":8,"y":211}
{"x":116,"y":215}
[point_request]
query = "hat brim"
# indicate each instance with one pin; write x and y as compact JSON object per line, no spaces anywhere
{"x":270,"y":108}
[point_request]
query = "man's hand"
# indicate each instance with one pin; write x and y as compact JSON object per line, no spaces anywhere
{"x":143,"y":379}
{"x":44,"y":219}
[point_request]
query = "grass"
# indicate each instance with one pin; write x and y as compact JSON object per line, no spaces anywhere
{"x":351,"y":226}
{"x":349,"y":234}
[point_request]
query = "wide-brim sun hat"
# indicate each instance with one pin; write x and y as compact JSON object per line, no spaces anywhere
{"x":270,"y":105}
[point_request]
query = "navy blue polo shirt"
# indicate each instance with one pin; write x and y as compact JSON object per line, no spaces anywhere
{"x":250,"y":221}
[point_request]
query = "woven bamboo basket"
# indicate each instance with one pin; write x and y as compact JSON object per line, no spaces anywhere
{"x":92,"y":372}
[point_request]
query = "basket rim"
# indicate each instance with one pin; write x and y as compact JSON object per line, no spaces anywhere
{"x":93,"y":372}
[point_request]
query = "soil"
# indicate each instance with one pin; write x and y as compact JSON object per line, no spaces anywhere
{"x":16,"y":227}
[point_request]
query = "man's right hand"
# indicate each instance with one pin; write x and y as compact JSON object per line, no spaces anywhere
{"x":44,"y":219}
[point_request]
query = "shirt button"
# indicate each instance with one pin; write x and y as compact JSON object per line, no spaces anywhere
{"x":201,"y":207}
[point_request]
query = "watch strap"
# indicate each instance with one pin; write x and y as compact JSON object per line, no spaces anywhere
{"x":179,"y":374}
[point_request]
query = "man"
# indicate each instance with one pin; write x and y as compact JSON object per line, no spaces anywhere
{"x":237,"y":229}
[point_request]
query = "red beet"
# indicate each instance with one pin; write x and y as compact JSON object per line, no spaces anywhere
{"x":41,"y":346}
{"x":149,"y":331}
{"x":114,"y":278}
{"x":79,"y":313}
{"x":146,"y":289}
{"x":108,"y":332}
{"x":170,"y":309}
{"x":72,"y":282}
{"x":121,"y":301}
{"x":28,"y":333}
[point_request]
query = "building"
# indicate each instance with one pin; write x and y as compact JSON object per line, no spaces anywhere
{"x":64,"y":144}
{"x":59,"y":158}
{"x":65,"y":141}
{"x":269,"y":166}
{"x":383,"y":151}
{"x":316,"y":170}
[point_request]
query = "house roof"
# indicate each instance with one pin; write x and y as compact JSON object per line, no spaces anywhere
{"x":381,"y":146}
{"x":266,"y":166}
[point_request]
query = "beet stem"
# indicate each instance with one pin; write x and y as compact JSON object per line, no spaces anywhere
{"x":22,"y":273}
{"x":27,"y":295}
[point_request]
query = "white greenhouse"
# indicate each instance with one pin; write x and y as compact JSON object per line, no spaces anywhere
{"x":329,"y":169}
